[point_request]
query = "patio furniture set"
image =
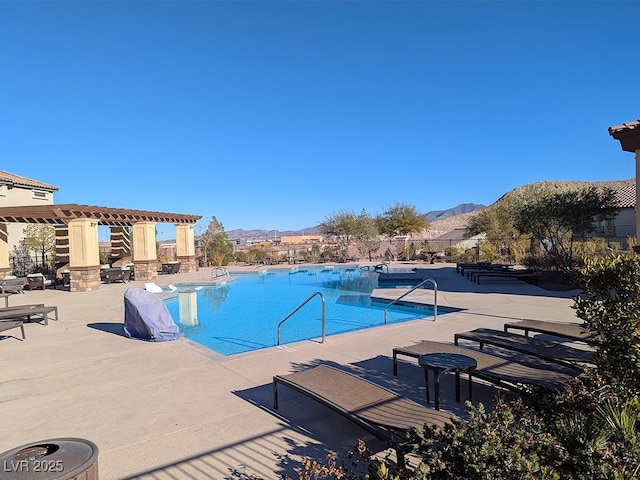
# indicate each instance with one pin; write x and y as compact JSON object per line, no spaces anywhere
{"x":518,"y":363}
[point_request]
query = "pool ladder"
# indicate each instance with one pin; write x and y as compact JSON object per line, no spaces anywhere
{"x":324,"y":320}
{"x":219,"y":272}
{"x":435,"y":298}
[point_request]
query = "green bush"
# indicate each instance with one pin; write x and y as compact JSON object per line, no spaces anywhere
{"x":610,"y":305}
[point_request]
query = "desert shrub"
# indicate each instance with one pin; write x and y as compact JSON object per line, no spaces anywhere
{"x":589,"y":248}
{"x":610,"y":305}
{"x":489,"y":251}
{"x":510,"y":442}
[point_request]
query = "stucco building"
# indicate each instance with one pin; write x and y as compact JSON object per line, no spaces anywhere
{"x":17,"y":191}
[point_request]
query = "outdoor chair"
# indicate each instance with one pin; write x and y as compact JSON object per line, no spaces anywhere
{"x":113,"y":274}
{"x":552,"y":351}
{"x":9,"y":324}
{"x":11,"y":284}
{"x":502,"y":372}
{"x":38,"y":281}
{"x":171,"y":267}
{"x":572,"y":331}
{"x":378,"y":410}
{"x":36,"y":312}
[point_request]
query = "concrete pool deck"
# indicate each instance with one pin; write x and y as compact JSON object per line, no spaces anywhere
{"x":176,"y":410}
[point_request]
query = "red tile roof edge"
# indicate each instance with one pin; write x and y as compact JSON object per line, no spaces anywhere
{"x":12,"y":178}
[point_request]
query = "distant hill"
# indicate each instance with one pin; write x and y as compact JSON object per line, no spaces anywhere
{"x":452,"y":212}
{"x":270,"y":234}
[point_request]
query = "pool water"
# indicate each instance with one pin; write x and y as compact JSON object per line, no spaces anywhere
{"x":243,"y":314}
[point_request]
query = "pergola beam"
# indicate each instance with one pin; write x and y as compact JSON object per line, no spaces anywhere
{"x":113,"y":217}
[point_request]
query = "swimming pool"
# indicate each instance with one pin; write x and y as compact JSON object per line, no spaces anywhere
{"x":243,"y":314}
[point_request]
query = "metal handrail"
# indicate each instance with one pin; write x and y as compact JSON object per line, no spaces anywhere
{"x":214,"y":272}
{"x":435,"y":298}
{"x":381,"y":266}
{"x":324,"y":320}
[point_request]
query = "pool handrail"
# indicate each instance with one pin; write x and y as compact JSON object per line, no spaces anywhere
{"x":435,"y":298}
{"x":324,"y":320}
{"x":224,"y":272}
{"x":381,"y":267}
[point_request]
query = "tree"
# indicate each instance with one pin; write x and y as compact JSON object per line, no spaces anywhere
{"x":496,"y":222}
{"x":399,"y":220}
{"x":218,"y":247}
{"x":344,"y":226}
{"x":554,"y":213}
{"x":204,"y":239}
{"x":367,"y":236}
{"x":40,"y":238}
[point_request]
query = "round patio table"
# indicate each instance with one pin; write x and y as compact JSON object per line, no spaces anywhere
{"x":446,"y":362}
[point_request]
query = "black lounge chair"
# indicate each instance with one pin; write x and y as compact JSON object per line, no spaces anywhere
{"x":475,"y":276}
{"x":572,"y":331}
{"x":113,"y":274}
{"x":378,"y":410}
{"x":9,"y":324}
{"x":505,"y":373}
{"x":548,"y":350}
{"x":171,"y":267}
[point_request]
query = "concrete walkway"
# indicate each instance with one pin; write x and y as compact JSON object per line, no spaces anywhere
{"x":175,"y":410}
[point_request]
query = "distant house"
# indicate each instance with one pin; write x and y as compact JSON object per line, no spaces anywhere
{"x":300,"y":239}
{"x":624,"y":223}
{"x":18,"y":191}
{"x":456,"y":237}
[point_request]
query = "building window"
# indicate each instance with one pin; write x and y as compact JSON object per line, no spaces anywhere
{"x":3,"y":190}
{"x":39,"y":194}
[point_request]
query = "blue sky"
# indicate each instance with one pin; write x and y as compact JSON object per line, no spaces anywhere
{"x":276,"y":114}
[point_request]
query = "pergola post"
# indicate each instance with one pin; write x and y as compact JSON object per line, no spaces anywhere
{"x":84,"y":256}
{"x":629,"y":136}
{"x":5,"y":267}
{"x":145,"y":257}
{"x":186,"y":248}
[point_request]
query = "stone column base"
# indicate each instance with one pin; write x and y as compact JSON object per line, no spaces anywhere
{"x":84,"y":279}
{"x":145,"y":270}
{"x":5,"y":271}
{"x":188,"y":264}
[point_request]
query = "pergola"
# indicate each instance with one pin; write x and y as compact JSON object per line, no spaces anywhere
{"x":76,"y":231}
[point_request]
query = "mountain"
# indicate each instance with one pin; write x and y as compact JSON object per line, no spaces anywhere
{"x":270,"y":234}
{"x":452,"y":212}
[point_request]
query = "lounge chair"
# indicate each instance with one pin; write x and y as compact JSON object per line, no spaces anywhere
{"x":113,"y":274}
{"x":572,"y":331}
{"x":548,"y":350}
{"x":9,"y":324}
{"x":38,"y":281}
{"x":502,"y":372}
{"x":12,"y":285}
{"x":171,"y":267}
{"x":383,"y":413}
{"x":29,"y":313}
{"x":517,"y":274}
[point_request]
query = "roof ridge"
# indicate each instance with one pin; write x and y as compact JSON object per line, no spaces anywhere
{"x":12,"y":178}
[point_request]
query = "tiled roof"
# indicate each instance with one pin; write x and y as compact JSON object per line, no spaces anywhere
{"x":626,"y":196}
{"x":13,"y":179}
{"x":625,"y":126}
{"x":628,"y":134}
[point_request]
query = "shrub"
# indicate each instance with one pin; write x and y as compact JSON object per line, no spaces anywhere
{"x":610,"y":304}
